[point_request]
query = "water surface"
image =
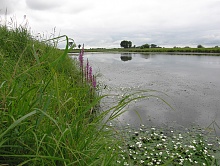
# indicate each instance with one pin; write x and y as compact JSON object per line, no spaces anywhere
{"x":191,"y":83}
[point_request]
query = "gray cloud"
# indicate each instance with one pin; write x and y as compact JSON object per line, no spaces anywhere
{"x":101,"y":23}
{"x":57,"y":6}
{"x":43,"y":4}
{"x":7,"y":7}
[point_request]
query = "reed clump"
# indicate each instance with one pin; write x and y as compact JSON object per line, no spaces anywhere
{"x":47,"y":113}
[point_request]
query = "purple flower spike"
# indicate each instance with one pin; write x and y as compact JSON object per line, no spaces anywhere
{"x":90,"y":73}
{"x":94,"y":81}
{"x":81,"y":59}
{"x":87,"y":70}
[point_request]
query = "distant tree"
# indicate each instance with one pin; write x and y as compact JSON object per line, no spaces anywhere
{"x":153,"y":46}
{"x":126,"y":44}
{"x":216,"y":47}
{"x":70,"y":44}
{"x":129,"y":44}
{"x":200,"y":46}
{"x":79,"y":46}
{"x":145,"y":46}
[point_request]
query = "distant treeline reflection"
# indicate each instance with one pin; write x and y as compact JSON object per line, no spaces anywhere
{"x":126,"y":56}
{"x":129,"y":56}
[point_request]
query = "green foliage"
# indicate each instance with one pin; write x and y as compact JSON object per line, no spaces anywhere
{"x":145,"y":46}
{"x":15,"y":42}
{"x":126,"y":44}
{"x":47,"y":114}
{"x":200,"y":46}
{"x":153,"y":46}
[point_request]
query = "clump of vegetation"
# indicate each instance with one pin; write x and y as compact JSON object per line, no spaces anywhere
{"x":154,"y":146}
{"x":47,"y":112}
{"x":126,"y":44}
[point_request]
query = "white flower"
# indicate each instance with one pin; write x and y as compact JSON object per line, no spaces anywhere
{"x":155,"y":134}
{"x":180,"y":136}
{"x":139,"y":144}
{"x":125,"y":163}
{"x":194,"y":141}
{"x":191,"y":146}
{"x":159,"y":145}
{"x":150,"y":163}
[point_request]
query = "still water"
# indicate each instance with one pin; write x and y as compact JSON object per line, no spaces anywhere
{"x":190,"y":84}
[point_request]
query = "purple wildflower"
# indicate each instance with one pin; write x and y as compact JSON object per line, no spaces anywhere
{"x":94,"y":81}
{"x":87,"y":71}
{"x":90,"y":73}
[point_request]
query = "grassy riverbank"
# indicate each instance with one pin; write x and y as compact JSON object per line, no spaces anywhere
{"x":146,"y":50}
{"x":49,"y":115}
{"x":47,"y":109}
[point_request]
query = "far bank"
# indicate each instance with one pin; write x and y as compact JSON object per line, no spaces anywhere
{"x":215,"y":51}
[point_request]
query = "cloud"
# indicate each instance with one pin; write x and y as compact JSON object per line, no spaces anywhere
{"x":101,"y":23}
{"x":57,"y":6}
{"x":7,"y":7}
{"x":43,"y":4}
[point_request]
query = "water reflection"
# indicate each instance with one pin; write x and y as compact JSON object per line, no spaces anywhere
{"x":126,"y":57}
{"x":145,"y":55}
{"x":130,"y":56}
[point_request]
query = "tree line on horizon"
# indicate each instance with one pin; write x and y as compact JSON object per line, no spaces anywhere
{"x":128,"y":44}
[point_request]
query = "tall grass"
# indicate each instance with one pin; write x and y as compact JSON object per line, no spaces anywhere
{"x":46,"y":110}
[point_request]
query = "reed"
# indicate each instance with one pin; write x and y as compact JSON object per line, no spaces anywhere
{"x":46,"y":110}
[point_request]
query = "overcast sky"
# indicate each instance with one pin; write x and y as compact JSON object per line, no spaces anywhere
{"x":105,"y":23}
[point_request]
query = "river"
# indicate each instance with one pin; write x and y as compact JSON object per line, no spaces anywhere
{"x":190,"y":84}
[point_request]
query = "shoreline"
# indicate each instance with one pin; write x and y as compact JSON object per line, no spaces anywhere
{"x":213,"y":51}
